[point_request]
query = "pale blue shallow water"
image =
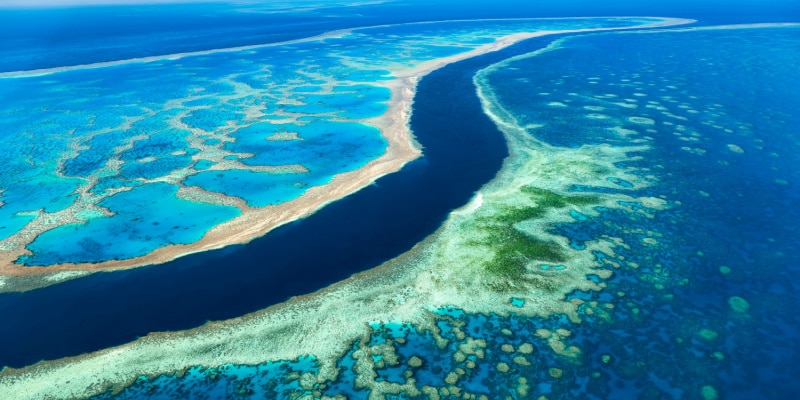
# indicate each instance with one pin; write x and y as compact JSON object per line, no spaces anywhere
{"x":152,"y":214}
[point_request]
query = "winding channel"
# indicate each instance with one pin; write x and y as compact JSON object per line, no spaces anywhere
{"x":462,"y":151}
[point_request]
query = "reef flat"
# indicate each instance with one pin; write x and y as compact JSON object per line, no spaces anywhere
{"x":216,"y":157}
{"x":503,"y":256}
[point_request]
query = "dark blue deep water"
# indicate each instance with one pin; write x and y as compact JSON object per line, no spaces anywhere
{"x":35,"y":38}
{"x":750,"y":225}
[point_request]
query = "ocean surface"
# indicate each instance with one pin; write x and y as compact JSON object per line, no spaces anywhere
{"x":40,"y":37}
{"x":704,"y":286}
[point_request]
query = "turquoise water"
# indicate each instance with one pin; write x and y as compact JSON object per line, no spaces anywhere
{"x":316,"y":147}
{"x":89,"y":135}
{"x":700,"y":303}
{"x":145,"y":217}
{"x":251,"y":186}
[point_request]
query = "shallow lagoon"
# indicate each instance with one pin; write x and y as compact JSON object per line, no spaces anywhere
{"x":157,"y":216}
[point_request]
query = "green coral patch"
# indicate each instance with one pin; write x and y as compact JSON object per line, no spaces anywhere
{"x":515,"y":249}
{"x":547,"y":198}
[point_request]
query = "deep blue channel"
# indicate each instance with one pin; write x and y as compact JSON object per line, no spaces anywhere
{"x":462,"y":150}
